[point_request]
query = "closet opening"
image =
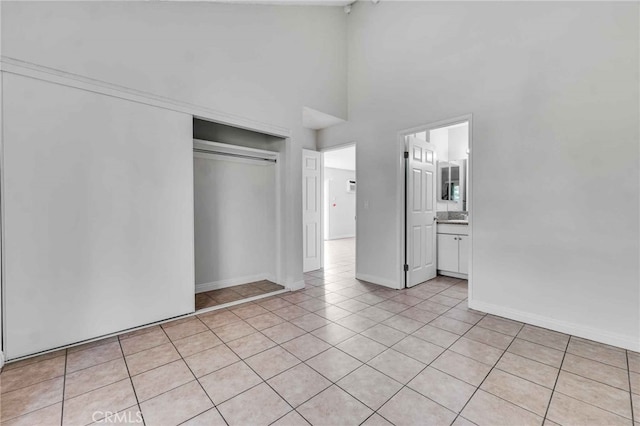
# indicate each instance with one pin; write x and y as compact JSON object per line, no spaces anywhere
{"x":237,"y":196}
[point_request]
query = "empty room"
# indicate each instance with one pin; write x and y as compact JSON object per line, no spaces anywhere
{"x":320,"y":212}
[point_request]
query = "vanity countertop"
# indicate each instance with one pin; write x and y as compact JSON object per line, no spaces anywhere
{"x":453,"y":221}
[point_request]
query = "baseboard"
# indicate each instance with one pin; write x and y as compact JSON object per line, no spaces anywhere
{"x":295,"y":286}
{"x":574,"y":329}
{"x":216,"y":285}
{"x":453,"y":274}
{"x":1,"y":360}
{"x":377,"y":280}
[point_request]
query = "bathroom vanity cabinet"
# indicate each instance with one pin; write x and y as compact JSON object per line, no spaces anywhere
{"x":453,"y":249}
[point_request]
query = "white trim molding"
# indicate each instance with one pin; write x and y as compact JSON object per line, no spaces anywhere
{"x":39,"y":72}
{"x":216,"y":285}
{"x":614,"y":339}
{"x":1,"y":360}
{"x":453,"y":274}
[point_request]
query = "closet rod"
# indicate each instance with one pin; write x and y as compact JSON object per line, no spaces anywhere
{"x":204,"y":151}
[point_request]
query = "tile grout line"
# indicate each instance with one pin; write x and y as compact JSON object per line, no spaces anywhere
{"x":504,"y":351}
{"x":196,"y":379}
{"x":389,"y":347}
{"x":425,"y":367}
{"x":633,"y":420}
{"x":304,"y":362}
{"x":553,"y":391}
{"x":406,"y":385}
{"x":64,"y":387}
{"x":135,"y":394}
{"x":485,"y":378}
{"x":557,"y":377}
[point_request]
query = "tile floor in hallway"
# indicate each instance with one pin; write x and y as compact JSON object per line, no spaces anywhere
{"x":339,"y":352}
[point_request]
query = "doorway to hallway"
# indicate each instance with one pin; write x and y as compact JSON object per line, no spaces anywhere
{"x":339,"y":211}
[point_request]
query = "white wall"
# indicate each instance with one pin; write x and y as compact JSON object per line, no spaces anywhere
{"x":554,"y":93}
{"x":98,"y":213}
{"x":260,"y":62}
{"x":458,"y":142}
{"x":235,"y":221}
{"x":341,"y":208}
{"x":440,"y":138}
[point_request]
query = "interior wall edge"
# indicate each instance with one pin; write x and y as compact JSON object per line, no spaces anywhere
{"x":574,"y":329}
{"x":298,"y":285}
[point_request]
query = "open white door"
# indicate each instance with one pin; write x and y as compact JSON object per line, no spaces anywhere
{"x":421,"y":212}
{"x":311,"y":213}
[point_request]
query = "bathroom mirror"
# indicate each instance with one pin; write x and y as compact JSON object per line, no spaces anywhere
{"x":451,"y":184}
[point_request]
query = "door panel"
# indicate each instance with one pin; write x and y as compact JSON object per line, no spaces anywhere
{"x":421,"y":193}
{"x":429,"y":258}
{"x":417,"y":246}
{"x":311,"y":215}
{"x":311,"y":240}
{"x":448,"y":252}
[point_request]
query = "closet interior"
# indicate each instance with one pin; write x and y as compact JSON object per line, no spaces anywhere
{"x":236,"y":211}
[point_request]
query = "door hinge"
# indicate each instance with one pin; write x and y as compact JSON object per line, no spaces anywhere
{"x":406,"y":268}
{"x":406,"y":154}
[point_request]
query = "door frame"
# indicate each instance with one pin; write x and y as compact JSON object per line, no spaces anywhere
{"x":322,"y":151}
{"x":401,"y":193}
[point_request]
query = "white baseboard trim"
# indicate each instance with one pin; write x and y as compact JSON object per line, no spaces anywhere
{"x":230,"y":282}
{"x":295,"y":286}
{"x":1,"y":360}
{"x":614,"y":339}
{"x":377,"y":280}
{"x":453,"y":274}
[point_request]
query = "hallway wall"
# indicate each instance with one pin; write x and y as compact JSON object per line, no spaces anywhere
{"x":340,"y":205}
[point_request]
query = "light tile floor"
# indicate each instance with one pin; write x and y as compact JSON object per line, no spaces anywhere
{"x":221,"y":296}
{"x":340,"y":352}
